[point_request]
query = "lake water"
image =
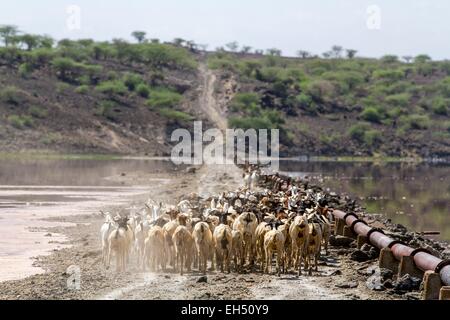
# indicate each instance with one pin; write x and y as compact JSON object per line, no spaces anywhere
{"x":415,"y":195}
{"x":34,"y":189}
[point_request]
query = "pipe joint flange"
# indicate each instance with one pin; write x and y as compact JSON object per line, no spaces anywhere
{"x":416,"y":251}
{"x":352,"y":226}
{"x":369,"y":233}
{"x":393,"y":243}
{"x":348,"y":215}
{"x":441,"y":265}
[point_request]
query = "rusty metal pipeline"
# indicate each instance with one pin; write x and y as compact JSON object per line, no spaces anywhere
{"x":376,"y":237}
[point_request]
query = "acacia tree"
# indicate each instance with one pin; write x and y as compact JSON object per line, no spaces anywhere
{"x":421,"y":58}
{"x":336,"y":51}
{"x":351,"y":53}
{"x":232,"y":46}
{"x":246,"y":49}
{"x":7,"y":33}
{"x":139,"y":36}
{"x":29,"y":40}
{"x":408,"y":59}
{"x":274,"y":52}
{"x":327,"y":54}
{"x":191,"y":45}
{"x":46,"y":41}
{"x":179,"y":42}
{"x":303,"y":54}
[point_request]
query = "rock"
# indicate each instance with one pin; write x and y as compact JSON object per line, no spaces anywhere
{"x":347,"y":285}
{"x":407,"y":283}
{"x":446,"y":253}
{"x":385,"y":274}
{"x":191,"y":170}
{"x":167,"y":277}
{"x":123,"y":174}
{"x":336,"y":273}
{"x":340,"y":241}
{"x":202,"y":279}
{"x":341,"y":252}
{"x":374,"y":253}
{"x":374,"y":283}
{"x":359,"y":256}
{"x":413,"y":296}
{"x":48,"y":235}
{"x":388,"y":284}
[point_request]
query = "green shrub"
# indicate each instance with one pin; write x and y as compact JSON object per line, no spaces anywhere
{"x":371,"y":114}
{"x":372,"y":137}
{"x":84,"y":80}
{"x":50,"y":138}
{"x":12,"y":95}
{"x":415,"y":121}
{"x":113,"y":87}
{"x":61,"y":87}
{"x":357,"y":131}
{"x":304,"y":100}
{"x":388,"y":75}
{"x":38,"y":112}
{"x":441,"y":106}
{"x":82,"y":89}
{"x":163,"y":98}
{"x":132,"y":80}
{"x":143,"y":90}
{"x":175,"y":115}
{"x":66,"y":68}
{"x":321,"y":89}
{"x":268,"y":74}
{"x":20,"y":122}
{"x":112,"y":75}
{"x":249,"y":123}
{"x":216,"y":63}
{"x":401,"y":99}
{"x":246,"y":102}
{"x":106,"y":109}
{"x":25,"y":69}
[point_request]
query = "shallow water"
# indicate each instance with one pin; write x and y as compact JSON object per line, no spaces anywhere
{"x":31,"y":190}
{"x":415,"y":195}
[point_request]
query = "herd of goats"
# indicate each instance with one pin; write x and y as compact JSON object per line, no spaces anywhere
{"x":269,"y":215}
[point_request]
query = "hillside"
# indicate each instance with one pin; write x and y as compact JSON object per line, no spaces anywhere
{"x":362,"y":107}
{"x":122,"y":98}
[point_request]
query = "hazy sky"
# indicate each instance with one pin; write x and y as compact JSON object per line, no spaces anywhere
{"x":374,"y":28}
